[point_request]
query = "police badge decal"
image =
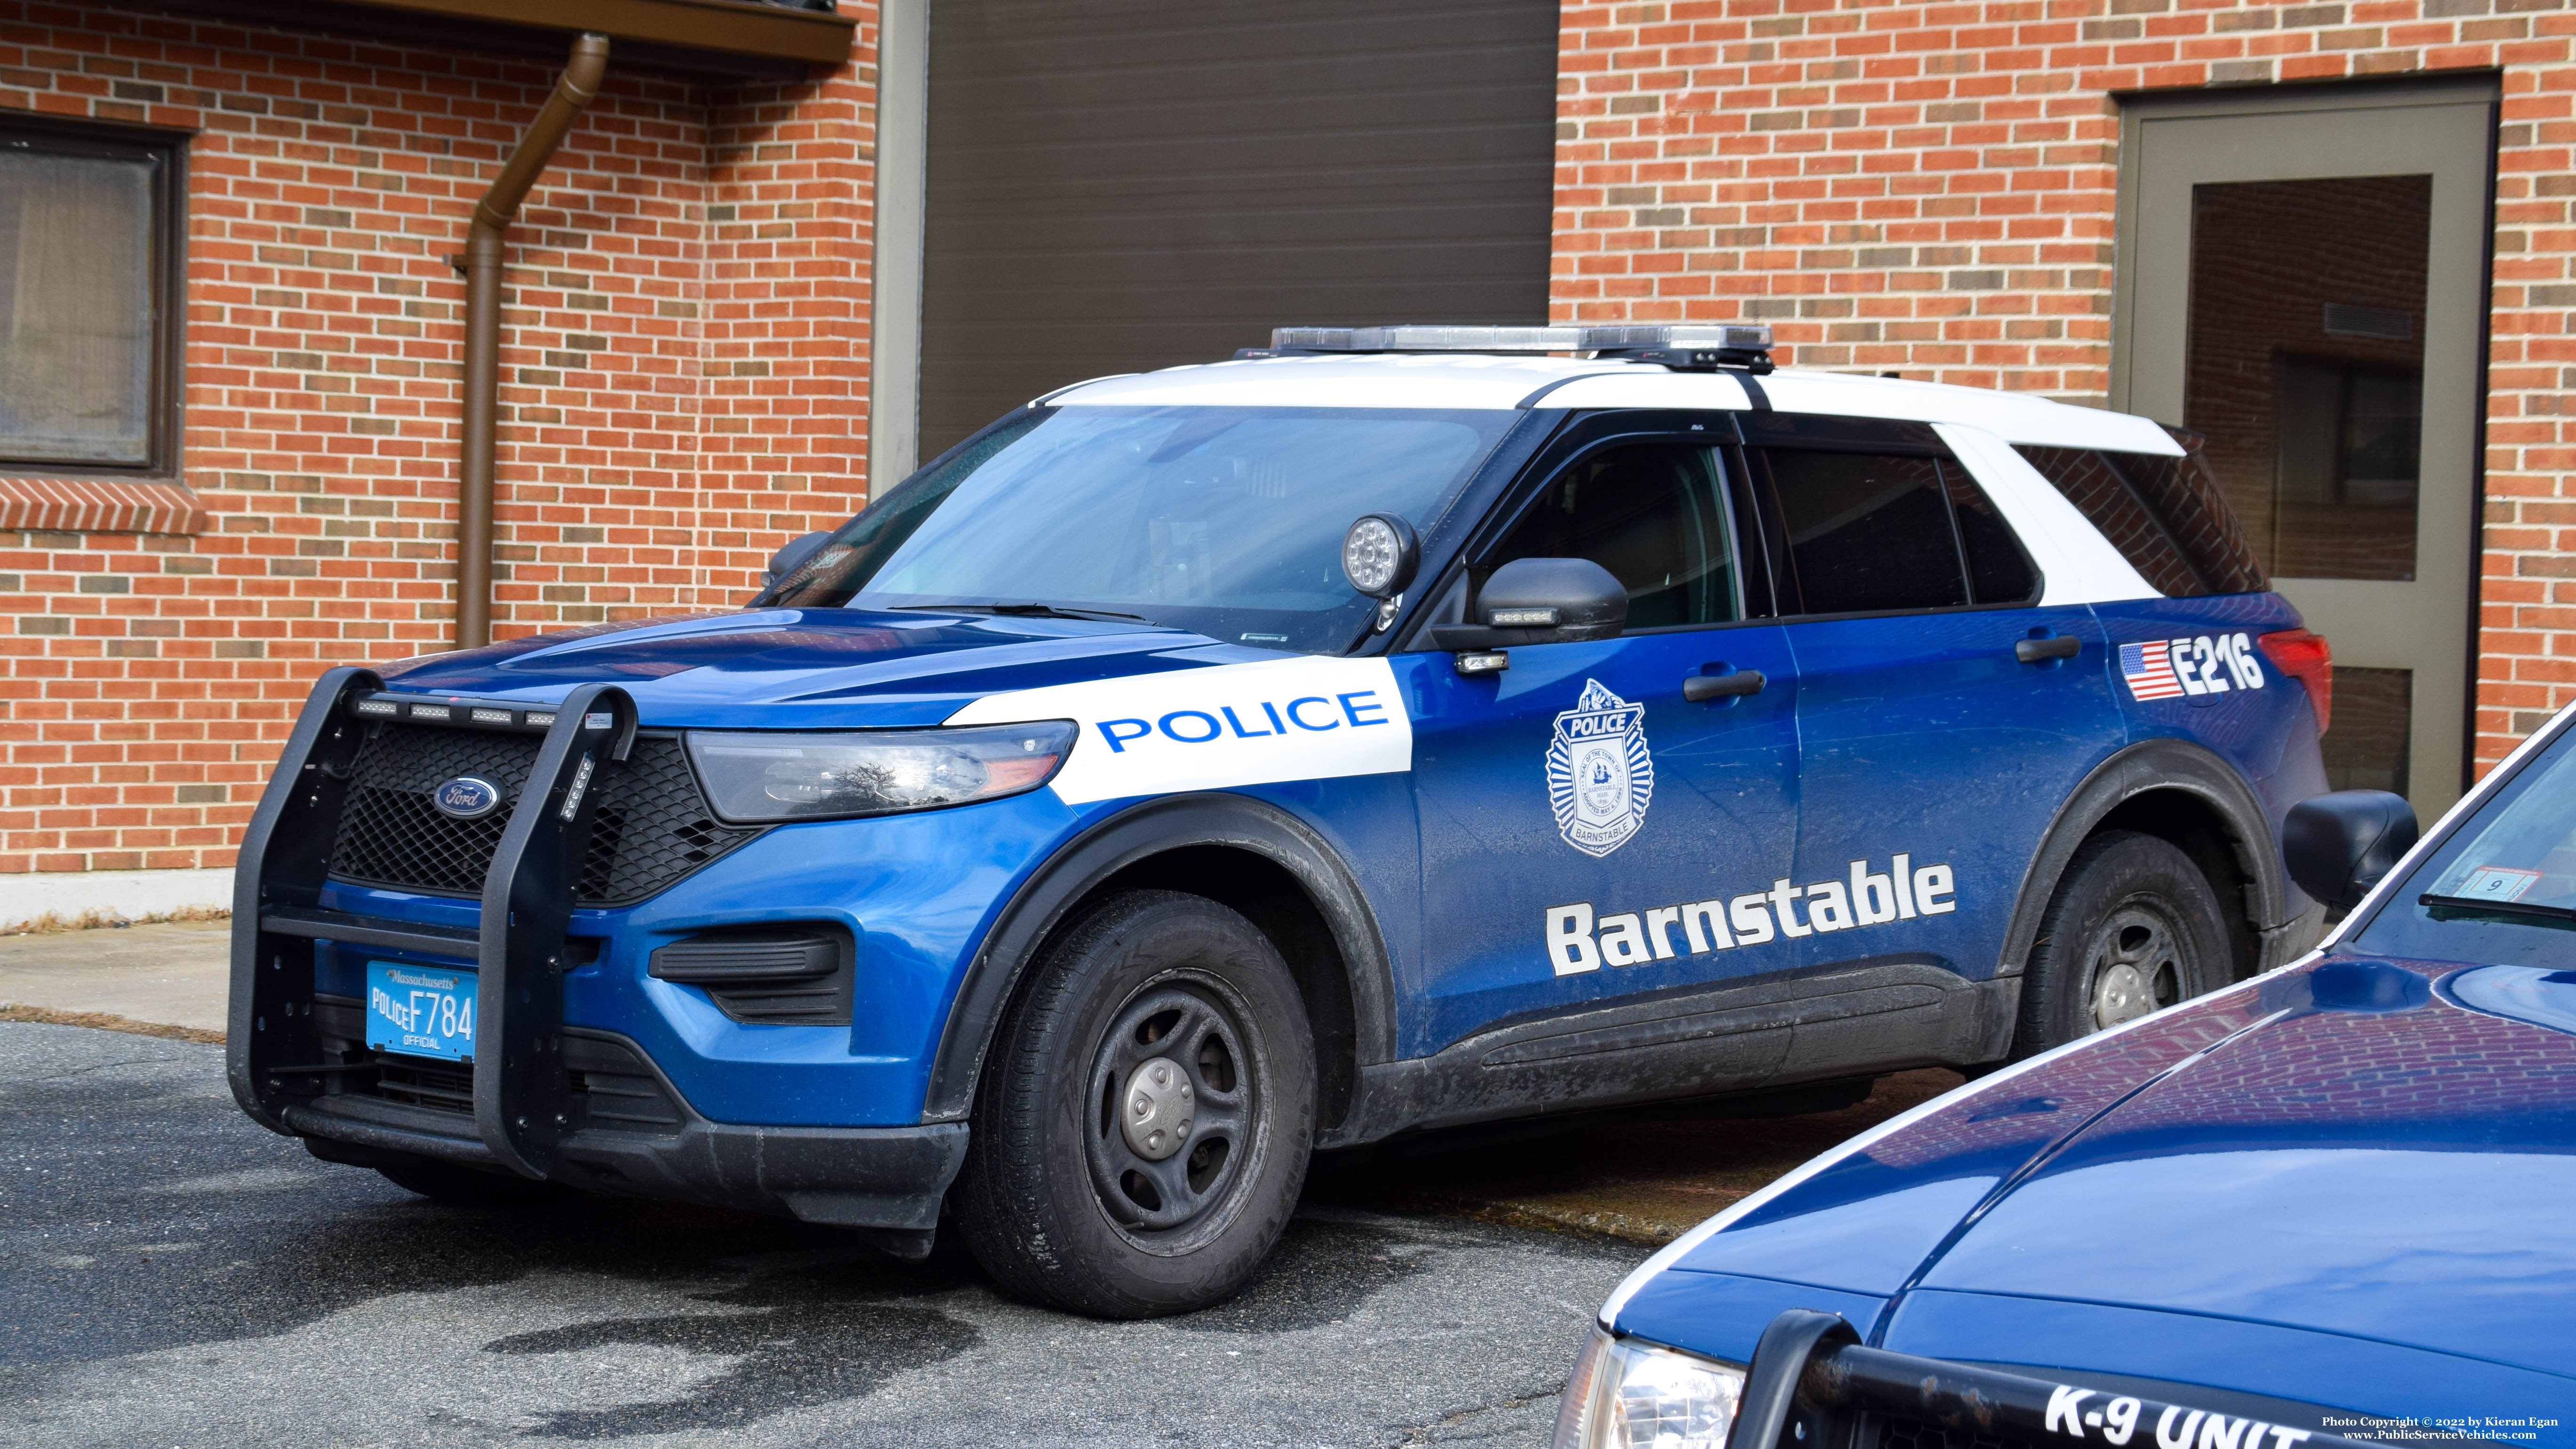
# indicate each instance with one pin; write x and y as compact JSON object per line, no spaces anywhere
{"x":1599,"y":772}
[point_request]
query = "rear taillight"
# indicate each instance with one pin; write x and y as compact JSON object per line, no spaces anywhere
{"x":2303,"y":655}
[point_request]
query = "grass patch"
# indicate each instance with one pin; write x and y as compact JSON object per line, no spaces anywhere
{"x":51,"y":922}
{"x":106,"y":1021}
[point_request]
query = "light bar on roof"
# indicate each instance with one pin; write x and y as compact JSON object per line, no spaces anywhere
{"x":1419,"y":337}
{"x":1437,"y":337}
{"x":1737,"y":336}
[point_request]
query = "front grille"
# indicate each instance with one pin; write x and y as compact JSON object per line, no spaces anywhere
{"x":650,"y":828}
{"x":613,"y":1089}
{"x":421,"y":1082}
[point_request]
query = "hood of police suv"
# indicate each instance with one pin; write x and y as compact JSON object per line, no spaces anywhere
{"x":2376,"y":1150}
{"x":813,"y":668}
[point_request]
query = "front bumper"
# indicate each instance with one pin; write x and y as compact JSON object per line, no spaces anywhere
{"x":543,"y":1097}
{"x":633,"y":1134}
{"x":1813,"y":1385}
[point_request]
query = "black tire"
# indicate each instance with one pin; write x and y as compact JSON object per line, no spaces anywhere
{"x":454,"y":1186}
{"x":2133,"y":927}
{"x":1060,"y":1201}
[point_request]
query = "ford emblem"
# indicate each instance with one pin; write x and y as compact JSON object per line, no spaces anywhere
{"x":466,"y":798}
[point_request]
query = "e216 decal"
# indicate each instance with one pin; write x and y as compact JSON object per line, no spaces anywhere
{"x":2170,"y":668}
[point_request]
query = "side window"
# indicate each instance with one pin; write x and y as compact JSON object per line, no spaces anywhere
{"x":1867,"y":532}
{"x":1998,"y":571}
{"x":2166,"y":515}
{"x":1654,"y":515}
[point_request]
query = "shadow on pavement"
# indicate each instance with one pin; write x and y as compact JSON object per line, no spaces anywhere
{"x":1645,"y":1176}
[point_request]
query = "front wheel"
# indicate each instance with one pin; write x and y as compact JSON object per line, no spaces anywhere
{"x":2133,"y":928}
{"x":1141,"y":1131}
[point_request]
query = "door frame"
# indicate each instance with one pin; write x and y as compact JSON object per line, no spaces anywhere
{"x":2466,"y":87}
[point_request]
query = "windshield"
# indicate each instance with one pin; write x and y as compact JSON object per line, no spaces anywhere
{"x":2502,"y":888}
{"x":1224,"y":521}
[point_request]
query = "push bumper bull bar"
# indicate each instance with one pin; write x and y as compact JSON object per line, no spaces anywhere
{"x":889,"y":1179}
{"x":1813,"y":1385}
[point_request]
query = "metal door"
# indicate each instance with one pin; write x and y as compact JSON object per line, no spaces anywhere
{"x":1576,"y":808}
{"x":2303,"y":281}
{"x":1132,"y":184}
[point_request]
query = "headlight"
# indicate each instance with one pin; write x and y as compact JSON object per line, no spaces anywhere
{"x":1633,"y":1396}
{"x":877,"y":772}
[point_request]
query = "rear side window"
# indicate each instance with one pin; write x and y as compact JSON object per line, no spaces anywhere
{"x":1998,"y":571}
{"x":2165,"y":515}
{"x":1653,"y":514}
{"x":1881,"y":533}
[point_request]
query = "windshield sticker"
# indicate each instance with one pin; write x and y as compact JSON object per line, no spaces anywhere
{"x":2496,"y":883}
{"x":1600,"y":775}
{"x":1579,"y":941}
{"x":2202,"y":664}
{"x":1215,"y":728}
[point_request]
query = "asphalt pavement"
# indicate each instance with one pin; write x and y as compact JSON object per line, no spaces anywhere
{"x":172,"y":1274}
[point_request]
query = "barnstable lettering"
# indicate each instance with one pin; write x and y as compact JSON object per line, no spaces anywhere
{"x":1578,"y":941}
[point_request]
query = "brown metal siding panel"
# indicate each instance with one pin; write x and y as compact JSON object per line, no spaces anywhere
{"x":1128,"y":186}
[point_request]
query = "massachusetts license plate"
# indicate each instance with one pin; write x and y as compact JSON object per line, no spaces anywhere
{"x":421,"y":1011}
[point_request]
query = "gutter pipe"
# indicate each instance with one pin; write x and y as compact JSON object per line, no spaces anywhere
{"x":492,"y":217}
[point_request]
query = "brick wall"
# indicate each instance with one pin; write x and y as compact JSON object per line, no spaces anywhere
{"x":684,"y":387}
{"x":1929,"y":187}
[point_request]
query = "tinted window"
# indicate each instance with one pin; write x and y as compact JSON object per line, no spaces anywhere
{"x":1998,"y":571}
{"x":2165,"y":515}
{"x":1653,"y":515}
{"x":1867,"y":532}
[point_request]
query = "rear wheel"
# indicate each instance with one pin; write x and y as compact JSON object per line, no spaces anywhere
{"x":2133,"y":927}
{"x":1141,"y":1131}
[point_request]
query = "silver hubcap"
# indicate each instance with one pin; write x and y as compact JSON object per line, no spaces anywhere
{"x":1160,"y":1102}
{"x":2137,"y":967}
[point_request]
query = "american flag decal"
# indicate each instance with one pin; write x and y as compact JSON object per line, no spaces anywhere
{"x":2149,"y":670}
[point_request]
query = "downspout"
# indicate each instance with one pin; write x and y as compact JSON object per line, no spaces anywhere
{"x":492,"y":218}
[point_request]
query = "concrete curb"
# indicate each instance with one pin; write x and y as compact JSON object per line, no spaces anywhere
{"x":59,"y":899}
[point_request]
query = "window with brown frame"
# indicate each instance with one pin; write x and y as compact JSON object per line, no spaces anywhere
{"x":88,"y":300}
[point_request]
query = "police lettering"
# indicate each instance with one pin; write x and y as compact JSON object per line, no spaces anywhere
{"x":1577,"y":941}
{"x":1259,"y":719}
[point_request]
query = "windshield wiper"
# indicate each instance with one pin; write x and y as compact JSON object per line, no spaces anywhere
{"x":1027,"y":611}
{"x":2560,"y":916}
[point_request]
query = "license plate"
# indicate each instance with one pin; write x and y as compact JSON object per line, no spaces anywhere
{"x":421,"y":1011}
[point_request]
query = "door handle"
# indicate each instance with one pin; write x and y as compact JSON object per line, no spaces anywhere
{"x":1700,"y":687}
{"x":2063,"y":646}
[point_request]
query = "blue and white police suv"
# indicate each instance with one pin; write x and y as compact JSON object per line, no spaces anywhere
{"x":1386,"y":730}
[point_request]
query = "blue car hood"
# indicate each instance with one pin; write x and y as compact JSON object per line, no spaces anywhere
{"x":2383,"y":1150}
{"x":804,"y":668}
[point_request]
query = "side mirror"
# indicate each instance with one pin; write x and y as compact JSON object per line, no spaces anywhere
{"x":1570,"y":599}
{"x":792,"y":555}
{"x":1537,"y":601}
{"x":2338,"y":846}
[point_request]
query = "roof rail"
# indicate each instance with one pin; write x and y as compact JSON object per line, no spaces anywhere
{"x":1688,"y":347}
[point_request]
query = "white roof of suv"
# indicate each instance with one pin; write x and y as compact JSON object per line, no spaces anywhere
{"x":1484,"y":381}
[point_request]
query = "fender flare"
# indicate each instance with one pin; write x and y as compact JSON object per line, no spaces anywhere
{"x":2151,"y":765}
{"x":1150,"y":829}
